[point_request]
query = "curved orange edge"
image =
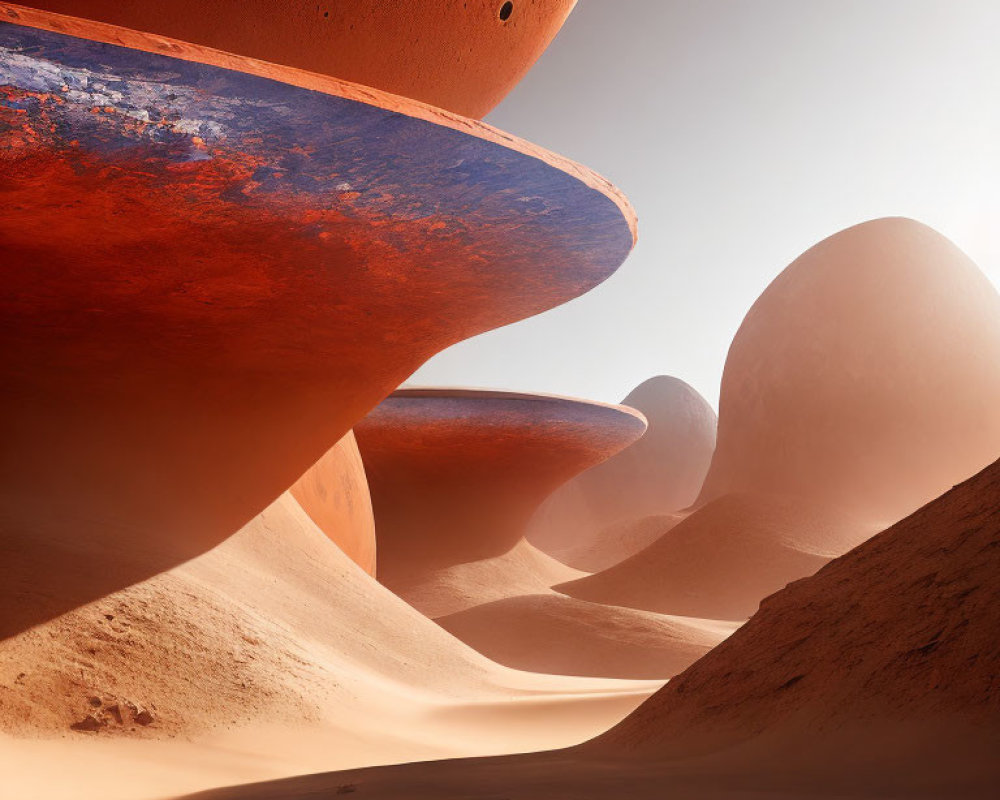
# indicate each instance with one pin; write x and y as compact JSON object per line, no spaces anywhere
{"x":154,"y":43}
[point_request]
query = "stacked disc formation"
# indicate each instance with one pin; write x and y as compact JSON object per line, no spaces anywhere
{"x":230,"y":231}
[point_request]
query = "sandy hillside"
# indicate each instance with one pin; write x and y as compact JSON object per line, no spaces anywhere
{"x":875,"y":678}
{"x":273,"y":654}
{"x":557,"y":634}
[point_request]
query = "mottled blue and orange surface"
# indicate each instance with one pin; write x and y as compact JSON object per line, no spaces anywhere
{"x":208,"y":275}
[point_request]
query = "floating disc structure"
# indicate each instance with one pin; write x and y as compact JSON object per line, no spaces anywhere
{"x":455,"y":474}
{"x":213,"y":266}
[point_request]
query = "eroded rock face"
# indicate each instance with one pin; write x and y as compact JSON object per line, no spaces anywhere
{"x":456,"y":474}
{"x":866,"y":377}
{"x":463,"y":57}
{"x":657,"y":475}
{"x":194,"y":312}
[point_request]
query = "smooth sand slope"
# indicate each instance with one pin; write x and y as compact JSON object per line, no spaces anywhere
{"x":657,"y":475}
{"x":864,"y":382}
{"x":877,"y":677}
{"x":460,"y":56}
{"x":195,"y":311}
{"x":552,"y":633}
{"x":722,"y":560}
{"x":270,"y":655}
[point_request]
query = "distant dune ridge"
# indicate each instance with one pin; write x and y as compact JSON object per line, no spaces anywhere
{"x":721,"y":560}
{"x":863,"y":383}
{"x":586,"y":523}
{"x":877,"y":677}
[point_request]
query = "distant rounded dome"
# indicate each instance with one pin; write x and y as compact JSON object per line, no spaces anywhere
{"x":866,"y":376}
{"x":657,"y":475}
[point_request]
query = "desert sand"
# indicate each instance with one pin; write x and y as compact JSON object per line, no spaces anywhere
{"x":720,"y":561}
{"x":549,"y":632}
{"x":232,"y":560}
{"x":876,"y":677}
{"x":272,"y":654}
{"x":463,"y":57}
{"x":586,"y":522}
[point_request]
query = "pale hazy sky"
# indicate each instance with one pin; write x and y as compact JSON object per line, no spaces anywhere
{"x":743,"y":131}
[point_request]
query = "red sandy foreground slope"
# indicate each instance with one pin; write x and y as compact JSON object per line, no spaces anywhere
{"x":877,"y":677}
{"x":659,"y":474}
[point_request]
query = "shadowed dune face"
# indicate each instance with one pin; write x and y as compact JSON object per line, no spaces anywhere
{"x":659,"y":474}
{"x":195,"y":312}
{"x":877,"y":677}
{"x":460,"y":56}
{"x":334,"y":493}
{"x":456,"y":474}
{"x":867,"y":376}
{"x":564,"y":636}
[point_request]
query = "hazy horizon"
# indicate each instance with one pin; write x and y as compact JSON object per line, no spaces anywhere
{"x":736,"y":165}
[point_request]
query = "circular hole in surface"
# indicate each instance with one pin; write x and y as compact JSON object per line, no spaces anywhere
{"x":506,"y":10}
